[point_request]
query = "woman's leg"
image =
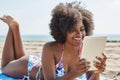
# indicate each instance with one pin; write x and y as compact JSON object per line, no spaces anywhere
{"x":19,"y":50}
{"x":13,"y":24}
{"x":11,"y":65}
{"x":13,"y":43}
{"x":8,"y":50}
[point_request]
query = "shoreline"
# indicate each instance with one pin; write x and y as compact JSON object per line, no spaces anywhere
{"x":112,"y":52}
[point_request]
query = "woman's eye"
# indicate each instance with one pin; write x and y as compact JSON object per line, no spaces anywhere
{"x":82,"y":30}
{"x":72,"y":30}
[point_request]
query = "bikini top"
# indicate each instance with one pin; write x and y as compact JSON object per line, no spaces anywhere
{"x":60,"y":68}
{"x":33,"y":60}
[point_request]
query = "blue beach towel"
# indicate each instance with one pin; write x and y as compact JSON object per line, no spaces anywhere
{"x":4,"y":77}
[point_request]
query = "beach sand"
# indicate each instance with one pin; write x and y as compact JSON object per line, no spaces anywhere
{"x":112,"y":51}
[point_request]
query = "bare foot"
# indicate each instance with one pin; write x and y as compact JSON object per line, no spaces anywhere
{"x":10,"y":21}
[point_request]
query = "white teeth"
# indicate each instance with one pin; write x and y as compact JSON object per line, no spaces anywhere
{"x":77,"y":38}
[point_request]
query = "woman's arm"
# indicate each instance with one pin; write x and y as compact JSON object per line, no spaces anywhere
{"x":48,"y":66}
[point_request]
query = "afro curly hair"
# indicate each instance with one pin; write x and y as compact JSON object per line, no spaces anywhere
{"x":87,"y":17}
{"x":65,"y":17}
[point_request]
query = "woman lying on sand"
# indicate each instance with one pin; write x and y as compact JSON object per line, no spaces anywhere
{"x":60,"y":59}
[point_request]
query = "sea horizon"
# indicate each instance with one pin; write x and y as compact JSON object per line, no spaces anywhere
{"x":112,"y":37}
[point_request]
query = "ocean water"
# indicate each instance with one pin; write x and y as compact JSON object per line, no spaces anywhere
{"x":32,"y":38}
{"x":113,"y":37}
{"x":49,"y":38}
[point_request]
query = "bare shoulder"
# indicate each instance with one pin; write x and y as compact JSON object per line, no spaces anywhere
{"x":52,"y":48}
{"x":49,"y":47}
{"x":49,"y":52}
{"x":52,"y":52}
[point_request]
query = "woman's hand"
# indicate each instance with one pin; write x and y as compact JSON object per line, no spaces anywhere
{"x":80,"y":68}
{"x":100,"y":64}
{"x":9,"y":20}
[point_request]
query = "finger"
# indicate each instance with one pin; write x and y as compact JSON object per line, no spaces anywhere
{"x":101,"y":69}
{"x":83,"y":65}
{"x":104,"y":56}
{"x":83,"y":59}
{"x":84,"y":68}
{"x":86,"y":64}
{"x":5,"y":15}
{"x":3,"y":19}
{"x":96,"y":63}
{"x":104,"y":59}
{"x":99,"y":65}
{"x":99,"y":58}
{"x":9,"y":17}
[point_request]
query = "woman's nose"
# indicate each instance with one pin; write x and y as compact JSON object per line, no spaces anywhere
{"x":79,"y":33}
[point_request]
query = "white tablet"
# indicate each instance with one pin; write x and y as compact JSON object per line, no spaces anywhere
{"x":93,"y":46}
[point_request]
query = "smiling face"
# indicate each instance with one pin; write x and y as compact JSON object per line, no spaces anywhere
{"x":76,"y":34}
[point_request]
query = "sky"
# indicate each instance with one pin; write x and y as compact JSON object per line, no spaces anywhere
{"x":34,"y":15}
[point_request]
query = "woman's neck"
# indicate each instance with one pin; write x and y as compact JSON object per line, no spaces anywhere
{"x":70,"y":47}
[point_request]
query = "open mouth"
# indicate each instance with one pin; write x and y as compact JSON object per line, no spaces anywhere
{"x":78,"y":39}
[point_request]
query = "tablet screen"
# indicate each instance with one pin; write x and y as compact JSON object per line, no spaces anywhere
{"x":93,"y":46}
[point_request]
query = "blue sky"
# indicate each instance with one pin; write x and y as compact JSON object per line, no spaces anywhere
{"x":34,"y":15}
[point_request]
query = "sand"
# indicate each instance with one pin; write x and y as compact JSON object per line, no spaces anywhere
{"x":112,"y":51}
